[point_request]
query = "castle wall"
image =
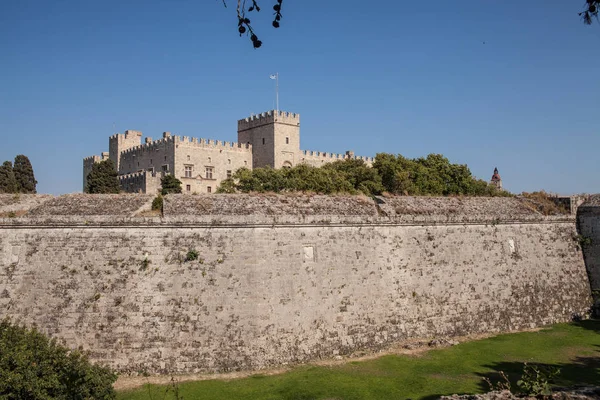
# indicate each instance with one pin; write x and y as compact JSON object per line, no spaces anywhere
{"x":588,"y":224}
{"x":318,"y":158}
{"x":141,"y":182}
{"x":155,"y":156}
{"x":222,"y":158}
{"x":89,"y":162}
{"x":119,"y":142}
{"x":281,"y":279}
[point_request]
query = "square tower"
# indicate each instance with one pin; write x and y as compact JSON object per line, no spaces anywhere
{"x":274,"y":136}
{"x":119,"y":142}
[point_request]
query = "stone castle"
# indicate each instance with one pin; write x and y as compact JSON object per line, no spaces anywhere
{"x":268,"y":139}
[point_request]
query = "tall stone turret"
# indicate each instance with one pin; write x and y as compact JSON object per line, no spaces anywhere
{"x":496,"y":180}
{"x":119,"y":142}
{"x":274,"y":136}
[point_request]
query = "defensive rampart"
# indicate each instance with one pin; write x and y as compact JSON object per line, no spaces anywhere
{"x":230,"y":282}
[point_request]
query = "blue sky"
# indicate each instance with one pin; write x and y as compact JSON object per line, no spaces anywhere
{"x":510,"y":84}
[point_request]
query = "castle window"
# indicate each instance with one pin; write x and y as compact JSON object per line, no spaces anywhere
{"x":209,"y":160}
{"x":245,"y":162}
{"x":188,"y":188}
{"x":229,"y":161}
{"x":228,"y":173}
{"x":209,"y":172}
{"x":188,"y":157}
{"x":188,"y":171}
{"x":208,"y":189}
{"x":287,"y":140}
{"x":263,"y":140}
{"x":165,"y":158}
{"x":150,"y":161}
{"x":165,"y":168}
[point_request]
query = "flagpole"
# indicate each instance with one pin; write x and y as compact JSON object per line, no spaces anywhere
{"x":276,"y":77}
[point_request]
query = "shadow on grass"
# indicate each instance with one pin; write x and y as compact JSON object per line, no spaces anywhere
{"x":581,"y":371}
{"x":589,"y":324}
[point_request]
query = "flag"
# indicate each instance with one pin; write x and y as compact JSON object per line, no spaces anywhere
{"x":273,"y":76}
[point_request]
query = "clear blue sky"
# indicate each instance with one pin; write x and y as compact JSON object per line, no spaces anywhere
{"x":398,"y":77}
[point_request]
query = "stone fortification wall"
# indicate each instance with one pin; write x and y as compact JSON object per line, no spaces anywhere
{"x":588,"y":224}
{"x":281,"y":279}
{"x":18,"y":204}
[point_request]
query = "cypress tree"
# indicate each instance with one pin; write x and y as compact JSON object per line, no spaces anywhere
{"x":103,"y":178}
{"x":24,"y":175}
{"x":8,"y":183}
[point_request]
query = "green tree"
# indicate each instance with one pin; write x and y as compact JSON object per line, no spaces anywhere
{"x":103,"y":178}
{"x":24,"y":175}
{"x":34,"y":367}
{"x":8,"y":183}
{"x":170,"y":184}
{"x":362,"y":177}
{"x":432,"y":175}
{"x":303,"y":178}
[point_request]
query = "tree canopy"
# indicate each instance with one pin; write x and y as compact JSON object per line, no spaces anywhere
{"x":23,"y":172}
{"x":8,"y":183}
{"x":34,"y":367}
{"x":170,"y":184}
{"x":103,"y":178}
{"x":433,"y":175}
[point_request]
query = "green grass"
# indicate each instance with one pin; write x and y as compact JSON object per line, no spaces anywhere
{"x":575,"y":348}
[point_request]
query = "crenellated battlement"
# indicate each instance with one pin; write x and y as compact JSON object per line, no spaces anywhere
{"x":137,"y":175}
{"x":319,"y":155}
{"x":91,"y":159}
{"x":269,"y":117}
{"x":188,"y":141}
{"x":210,"y":143}
{"x":149,"y":146}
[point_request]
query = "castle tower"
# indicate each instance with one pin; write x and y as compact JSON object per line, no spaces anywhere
{"x":274,"y":136}
{"x":120,"y":142}
{"x":496,"y":180}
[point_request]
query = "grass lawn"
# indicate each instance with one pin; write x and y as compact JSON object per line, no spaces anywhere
{"x":575,"y":348}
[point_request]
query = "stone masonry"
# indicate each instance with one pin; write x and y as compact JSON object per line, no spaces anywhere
{"x":242,"y":282}
{"x":269,"y":139}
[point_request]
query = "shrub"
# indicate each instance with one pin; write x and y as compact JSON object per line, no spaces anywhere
{"x":32,"y":366}
{"x":536,"y":379}
{"x":157,"y":203}
{"x":191,"y":255}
